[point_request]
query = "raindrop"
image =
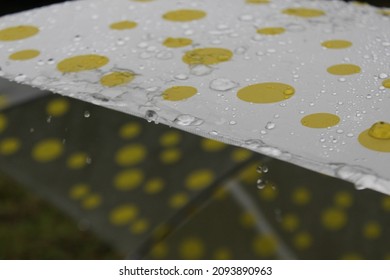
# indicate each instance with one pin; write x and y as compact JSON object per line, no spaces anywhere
{"x":260,"y":184}
{"x":88,"y":160}
{"x":270,"y":125}
{"x":181,"y":77}
{"x":50,"y":61}
{"x":340,"y":131}
{"x":87,"y":114}
{"x":48,"y":120}
{"x":383,"y":76}
{"x":232,"y":122}
{"x":386,"y":44}
{"x":164,"y":55}
{"x":342,"y":79}
{"x":380,"y":130}
{"x":271,"y":51}
{"x":350,"y":134}
{"x":214,"y":133}
{"x":77,"y":38}
{"x":201,"y":70}
{"x":151,"y":116}
{"x":240,"y":50}
{"x":20,"y":78}
{"x":222,"y":84}
{"x":187,"y":120}
{"x":246,"y":17}
{"x":259,"y":53}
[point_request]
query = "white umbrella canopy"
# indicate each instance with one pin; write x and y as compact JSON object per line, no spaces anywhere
{"x":302,"y":81}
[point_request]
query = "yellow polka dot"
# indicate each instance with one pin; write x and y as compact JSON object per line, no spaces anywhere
{"x":333,"y":219}
{"x":247,"y":220}
{"x":47,"y":150}
{"x":57,"y":107}
{"x":191,"y":248}
{"x":304,"y":12}
{"x":159,"y":250}
{"x":386,"y":83}
{"x":221,"y":193}
{"x":199,"y":179}
{"x":372,"y":230}
{"x":130,"y":130}
{"x":139,"y":226}
{"x":385,"y":12}
{"x":266,"y":93}
{"x":123,"y":214}
{"x":223,"y":254}
{"x":265,"y":245}
{"x":123,"y":25}
{"x":178,"y":200}
{"x":210,"y":145}
{"x":77,"y":160}
{"x":3,"y":123}
{"x":343,"y":199}
{"x":239,"y":155}
{"x":92,"y":201}
{"x":79,"y":191}
{"x":128,"y":179}
{"x":351,"y":256}
{"x":9,"y":146}
{"x":154,"y":186}
{"x":302,"y":241}
{"x":269,"y":192}
{"x":320,"y":120}
{"x":130,"y":155}
{"x":184,"y":15}
{"x":301,"y":196}
{"x":290,"y":222}
{"x":386,"y":203}
{"x":162,"y":231}
{"x":170,"y":156}
{"x":178,"y":93}
{"x":117,"y":79}
{"x":170,"y":138}
{"x":249,"y":174}
{"x":18,"y":32}
{"x":177,"y":42}
{"x":376,"y":138}
{"x":271,"y":30}
{"x":207,"y":56}
{"x":82,"y":63}
{"x":344,"y":69}
{"x":336,"y":44}
{"x":257,"y":1}
{"x":3,"y":101}
{"x":24,"y":55}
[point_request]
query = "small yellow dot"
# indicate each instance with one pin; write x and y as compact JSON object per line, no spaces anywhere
{"x":290,"y":222}
{"x":266,"y":93}
{"x":79,"y":191}
{"x":77,"y":160}
{"x":178,"y":93}
{"x":170,"y":156}
{"x":304,"y":12}
{"x":123,"y":214}
{"x":343,"y":199}
{"x":336,"y":44}
{"x":18,"y":32}
{"x":333,"y":219}
{"x":170,"y":138}
{"x":159,"y":250}
{"x":301,"y":196}
{"x":247,"y":220}
{"x":221,"y":193}
{"x":199,"y":179}
{"x":376,"y":138}
{"x":386,"y":83}
{"x":3,"y":123}
{"x":123,"y":25}
{"x":117,"y":79}
{"x":82,"y":63}
{"x":239,"y":155}
{"x":269,"y":192}
{"x":178,"y":200}
{"x":128,"y":179}
{"x":47,"y":150}
{"x":302,"y":241}
{"x":210,"y":145}
{"x":9,"y":146}
{"x":191,"y":248}
{"x":130,"y":155}
{"x":249,"y":174}
{"x":177,"y":42}
{"x":24,"y":55}
{"x":223,"y":254}
{"x":372,"y":230}
{"x":184,"y":15}
{"x":344,"y":69}
{"x":257,"y":1}
{"x":386,"y":203}
{"x":265,"y":245}
{"x":92,"y":201}
{"x":139,"y":226}
{"x":154,"y":186}
{"x":207,"y":56}
{"x":57,"y":107}
{"x":271,"y":30}
{"x":130,"y":130}
{"x":320,"y":120}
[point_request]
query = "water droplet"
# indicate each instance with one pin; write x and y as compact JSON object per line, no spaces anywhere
{"x":164,"y":55}
{"x":380,"y":130}
{"x":214,"y":133}
{"x":181,"y":77}
{"x":386,"y":44}
{"x":50,"y":61}
{"x":151,"y":116}
{"x":77,"y":38}
{"x":222,"y":84}
{"x":188,"y":120}
{"x":245,"y":17}
{"x":260,"y":184}
{"x":342,"y":79}
{"x":232,"y":122}
{"x":240,"y":50}
{"x":201,"y":70}
{"x":48,"y":120}
{"x":350,"y":134}
{"x":87,"y":114}
{"x":20,"y":78}
{"x":270,"y":125}
{"x":340,"y":131}
{"x":383,"y":76}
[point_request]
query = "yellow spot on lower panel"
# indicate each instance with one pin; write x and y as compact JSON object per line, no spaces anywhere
{"x":269,"y":192}
{"x":207,"y":56}
{"x":375,"y":138}
{"x":271,"y":30}
{"x":343,"y":199}
{"x":302,"y":241}
{"x":82,"y":63}
{"x":177,"y":42}
{"x":170,"y":156}
{"x":24,"y":55}
{"x":139,"y":226}
{"x":265,"y":245}
{"x":257,"y":1}
{"x":304,"y":12}
{"x":9,"y":146}
{"x":123,"y":214}
{"x":266,"y":93}
{"x":386,"y":203}
{"x":170,"y":138}
{"x":130,"y":155}
{"x":344,"y":69}
{"x":336,"y":44}
{"x":249,"y":174}
{"x":247,"y":220}
{"x":351,"y":256}
{"x":239,"y":155}
{"x":191,"y":248}
{"x":123,"y":25}
{"x":79,"y":191}
{"x":199,"y":179}
{"x":154,"y":186}
{"x":184,"y":15}
{"x":301,"y":196}
{"x":3,"y":123}
{"x":178,"y":200}
{"x":47,"y":150}
{"x":209,"y":145}
{"x":386,"y":83}
{"x":290,"y":222}
{"x":178,"y":93}
{"x":18,"y":32}
{"x":130,"y":130}
{"x":57,"y":107}
{"x":159,"y":250}
{"x":91,"y":201}
{"x":117,"y":79}
{"x":333,"y":219}
{"x":372,"y":230}
{"x":320,"y":120}
{"x":223,"y":254}
{"x":128,"y":179}
{"x":77,"y":160}
{"x":3,"y":101}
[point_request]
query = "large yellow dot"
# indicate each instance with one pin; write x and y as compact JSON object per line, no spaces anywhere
{"x":212,"y":145}
{"x":271,"y":30}
{"x":159,"y":250}
{"x":269,"y":192}
{"x":178,"y":200}
{"x":91,"y":201}
{"x":24,"y":55}
{"x":123,"y":214}
{"x":304,"y":12}
{"x":139,"y":226}
{"x":128,"y":179}
{"x":239,"y":155}
{"x":372,"y":230}
{"x":117,"y":79}
{"x":130,"y":130}
{"x":130,"y":155}
{"x":386,"y":83}
{"x":77,"y":160}
{"x":386,"y":203}
{"x":343,"y":199}
{"x":154,"y":186}
{"x":290,"y":222}
{"x":178,"y":93}
{"x":9,"y":146}
{"x":265,"y":245}
{"x":336,"y":44}
{"x":170,"y":138}
{"x":302,"y":241}
{"x":247,"y":219}
{"x":301,"y":196}
{"x":177,"y":42}
{"x":191,"y":248}
{"x":320,"y":120}
{"x":82,"y":63}
{"x":47,"y":150}
{"x":3,"y":123}
{"x":333,"y":219}
{"x":123,"y":25}
{"x":18,"y":32}
{"x":376,"y":138}
{"x":199,"y":179}
{"x":170,"y":156}
{"x":266,"y":93}
{"x":184,"y":15}
{"x":344,"y":69}
{"x":57,"y":107}
{"x":207,"y":56}
{"x":79,"y":191}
